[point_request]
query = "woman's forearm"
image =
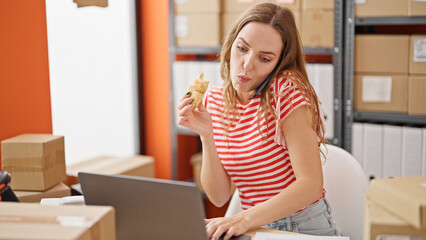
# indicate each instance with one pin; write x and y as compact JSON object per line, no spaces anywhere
{"x":301,"y":193}
{"x":214,"y":178}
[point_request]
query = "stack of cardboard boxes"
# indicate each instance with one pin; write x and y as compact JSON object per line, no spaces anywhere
{"x":390,"y":73}
{"x":36,"y":163}
{"x":390,"y":70}
{"x":317,"y":23}
{"x":390,"y":8}
{"x":197,"y":23}
{"x":205,"y":23}
{"x":396,"y":209}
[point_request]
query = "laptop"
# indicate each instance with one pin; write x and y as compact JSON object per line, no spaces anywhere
{"x":148,"y":208}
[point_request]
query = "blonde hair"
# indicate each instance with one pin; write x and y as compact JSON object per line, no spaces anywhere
{"x":293,"y":61}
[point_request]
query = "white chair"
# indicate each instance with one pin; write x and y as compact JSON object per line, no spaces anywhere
{"x":234,"y":206}
{"x":345,"y":184}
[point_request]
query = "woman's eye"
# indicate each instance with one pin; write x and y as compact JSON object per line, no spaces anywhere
{"x":242,"y":49}
{"x":264,"y":59}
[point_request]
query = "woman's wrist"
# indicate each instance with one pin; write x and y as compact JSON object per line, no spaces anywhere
{"x":207,"y":138}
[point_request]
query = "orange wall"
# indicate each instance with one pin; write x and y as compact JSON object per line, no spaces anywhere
{"x":156,"y":84}
{"x":24,"y":69}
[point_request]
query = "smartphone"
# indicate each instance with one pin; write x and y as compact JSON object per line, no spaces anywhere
{"x":268,"y":79}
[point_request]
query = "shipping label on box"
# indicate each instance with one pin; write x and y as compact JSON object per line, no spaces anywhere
{"x":405,"y":197}
{"x":417,"y":54}
{"x":34,"y":221}
{"x":34,"y":161}
{"x":376,"y":89}
{"x":379,"y":93}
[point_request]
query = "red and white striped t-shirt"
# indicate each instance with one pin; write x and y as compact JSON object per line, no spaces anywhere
{"x":260,"y":169}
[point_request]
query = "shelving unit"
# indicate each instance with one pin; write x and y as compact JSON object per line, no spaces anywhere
{"x":373,"y":117}
{"x":336,"y":52}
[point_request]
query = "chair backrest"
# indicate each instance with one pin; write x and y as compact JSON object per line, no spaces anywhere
{"x":345,"y":184}
{"x":234,"y":206}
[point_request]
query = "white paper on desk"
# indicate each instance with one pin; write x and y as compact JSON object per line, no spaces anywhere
{"x":280,"y":236}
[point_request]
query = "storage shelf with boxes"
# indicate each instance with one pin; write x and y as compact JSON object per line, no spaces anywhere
{"x":385,"y":77}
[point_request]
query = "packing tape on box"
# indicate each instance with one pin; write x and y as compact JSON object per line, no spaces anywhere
{"x":66,"y":221}
{"x":13,"y":169}
{"x":22,"y":162}
{"x":33,"y":164}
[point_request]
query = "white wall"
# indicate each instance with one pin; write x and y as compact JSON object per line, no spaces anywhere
{"x":93,"y":78}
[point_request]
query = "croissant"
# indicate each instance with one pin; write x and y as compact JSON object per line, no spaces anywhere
{"x":198,"y":88}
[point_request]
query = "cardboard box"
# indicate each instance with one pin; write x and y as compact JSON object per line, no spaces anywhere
{"x":291,"y":4}
{"x":379,"y":93}
{"x":416,"y":8}
{"x":381,"y":54}
{"x":228,"y":20}
{"x":34,"y":161}
{"x":405,"y":197}
{"x":138,"y":165}
{"x":88,"y":3}
{"x":238,"y":6}
{"x":381,"y":8}
{"x":197,"y":6}
{"x":197,"y":30}
{"x":381,"y":224}
{"x":196,"y":162}
{"x":57,"y":191}
{"x":417,"y":54}
{"x":317,"y":28}
{"x":318,"y":4}
{"x":298,"y":19}
{"x":34,"y":221}
{"x":417,"y":95}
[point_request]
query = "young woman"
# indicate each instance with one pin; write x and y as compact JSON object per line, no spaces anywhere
{"x":261,"y":132}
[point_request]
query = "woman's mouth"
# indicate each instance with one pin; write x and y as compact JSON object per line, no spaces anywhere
{"x":244,"y":78}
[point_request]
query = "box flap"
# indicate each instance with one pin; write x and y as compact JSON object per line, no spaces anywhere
{"x":404,"y":197}
{"x":32,"y":138}
{"x":109,"y":165}
{"x":19,"y":219}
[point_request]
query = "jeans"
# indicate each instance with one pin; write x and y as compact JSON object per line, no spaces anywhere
{"x":314,"y":220}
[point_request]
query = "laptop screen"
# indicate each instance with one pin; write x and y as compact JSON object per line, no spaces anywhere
{"x":148,"y":208}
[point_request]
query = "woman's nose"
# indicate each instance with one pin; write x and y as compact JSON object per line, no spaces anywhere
{"x":248,"y":62}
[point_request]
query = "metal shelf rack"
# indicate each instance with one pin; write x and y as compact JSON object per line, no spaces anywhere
{"x":349,"y":115}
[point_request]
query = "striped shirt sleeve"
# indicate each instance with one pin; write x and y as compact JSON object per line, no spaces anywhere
{"x":287,"y":98}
